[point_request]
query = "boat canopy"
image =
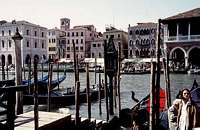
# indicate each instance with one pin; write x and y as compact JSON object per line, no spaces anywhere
{"x":63,"y":60}
{"x":91,"y":61}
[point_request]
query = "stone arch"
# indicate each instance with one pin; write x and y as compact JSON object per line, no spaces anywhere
{"x":36,"y":56}
{"x":170,"y":54}
{"x":193,"y":55}
{"x":28,"y":58}
{"x":44,"y":57}
{"x":9,"y":59}
{"x":178,"y":57}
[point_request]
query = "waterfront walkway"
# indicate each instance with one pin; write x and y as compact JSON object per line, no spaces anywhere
{"x":55,"y":121}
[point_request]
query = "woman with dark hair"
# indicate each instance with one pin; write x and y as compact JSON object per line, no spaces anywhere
{"x":184,"y":113}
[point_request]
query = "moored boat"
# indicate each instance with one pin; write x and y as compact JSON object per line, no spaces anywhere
{"x":62,"y":99}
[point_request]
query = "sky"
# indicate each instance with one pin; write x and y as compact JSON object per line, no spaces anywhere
{"x":100,"y":13}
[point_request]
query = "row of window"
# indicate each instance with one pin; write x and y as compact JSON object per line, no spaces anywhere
{"x":143,"y":42}
{"x":36,"y":45}
{"x":35,"y":33}
{"x":143,"y":32}
{"x":74,"y":33}
{"x":77,"y":48}
{"x":3,"y":33}
{"x":68,"y":56}
{"x":118,"y":36}
{"x":96,"y":45}
{"x":3,"y":44}
{"x":73,"y":41}
{"x":27,"y":33}
{"x":100,"y":55}
{"x":52,"y":40}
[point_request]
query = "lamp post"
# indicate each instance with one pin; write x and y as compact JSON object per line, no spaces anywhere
{"x":111,"y":68}
{"x":18,"y":70}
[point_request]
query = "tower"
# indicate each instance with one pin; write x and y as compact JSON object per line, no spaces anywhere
{"x":64,"y":24}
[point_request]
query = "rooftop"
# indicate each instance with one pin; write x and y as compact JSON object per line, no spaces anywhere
{"x":188,"y":14}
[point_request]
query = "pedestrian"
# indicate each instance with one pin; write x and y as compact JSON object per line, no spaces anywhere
{"x":184,"y":113}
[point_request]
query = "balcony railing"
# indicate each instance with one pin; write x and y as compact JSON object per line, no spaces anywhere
{"x":182,"y":38}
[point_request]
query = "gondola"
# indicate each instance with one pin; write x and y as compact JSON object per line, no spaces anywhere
{"x":62,"y":99}
{"x":43,"y":85}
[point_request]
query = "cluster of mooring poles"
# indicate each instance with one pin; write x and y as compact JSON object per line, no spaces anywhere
{"x":155,"y":83}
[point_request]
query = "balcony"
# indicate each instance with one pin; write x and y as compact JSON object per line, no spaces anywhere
{"x":188,"y":38}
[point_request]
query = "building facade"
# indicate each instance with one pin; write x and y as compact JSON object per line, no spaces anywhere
{"x":33,"y":43}
{"x":182,"y":38}
{"x":120,"y":37}
{"x":142,"y":39}
{"x":97,"y":48}
{"x":56,"y":45}
{"x":82,"y":36}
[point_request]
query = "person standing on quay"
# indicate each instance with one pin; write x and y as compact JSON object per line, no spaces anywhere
{"x":184,"y":113}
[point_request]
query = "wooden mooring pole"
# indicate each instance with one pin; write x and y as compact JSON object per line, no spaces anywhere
{"x":100,"y":87}
{"x":119,"y":76}
{"x":7,"y":71}
{"x":88,"y":91}
{"x":35,"y":92}
{"x":167,"y":84}
{"x":49,"y":87}
{"x":157,"y":89}
{"x":105,"y":84}
{"x":3,"y":70}
{"x":152,"y":97}
{"x":77,"y":103}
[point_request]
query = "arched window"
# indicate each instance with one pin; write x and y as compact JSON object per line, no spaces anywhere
{"x":9,"y":59}
{"x":3,"y":60}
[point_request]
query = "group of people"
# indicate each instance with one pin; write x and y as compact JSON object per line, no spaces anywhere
{"x":184,"y":113}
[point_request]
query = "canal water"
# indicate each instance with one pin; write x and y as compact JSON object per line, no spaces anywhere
{"x":140,"y":84}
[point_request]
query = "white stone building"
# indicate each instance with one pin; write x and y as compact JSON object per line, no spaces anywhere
{"x":142,"y":39}
{"x":55,"y":49}
{"x":33,"y":43}
{"x":120,"y":37}
{"x":97,"y":48}
{"x":82,"y":36}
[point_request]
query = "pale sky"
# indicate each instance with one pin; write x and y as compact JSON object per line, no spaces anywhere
{"x":119,"y":13}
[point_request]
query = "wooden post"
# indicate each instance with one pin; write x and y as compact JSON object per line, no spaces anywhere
{"x":49,"y":87}
{"x":168,"y":80}
{"x":7,"y":71}
{"x":58,"y":73}
{"x":29,"y":76}
{"x":42,"y":69}
{"x":167,"y":87}
{"x":118,"y":76}
{"x":18,"y":70}
{"x":10,"y":105}
{"x":35,"y":92}
{"x":88,"y":91}
{"x":100,"y":87}
{"x":3,"y":71}
{"x":95,"y":70}
{"x":152,"y":97}
{"x":111,"y":95}
{"x":77,"y":102}
{"x":115,"y":91}
{"x":106,"y":87}
{"x":75,"y":63}
{"x":157,"y":89}
{"x":24,"y":71}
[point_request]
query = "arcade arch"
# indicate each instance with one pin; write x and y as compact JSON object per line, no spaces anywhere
{"x":194,"y":56}
{"x":178,"y":57}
